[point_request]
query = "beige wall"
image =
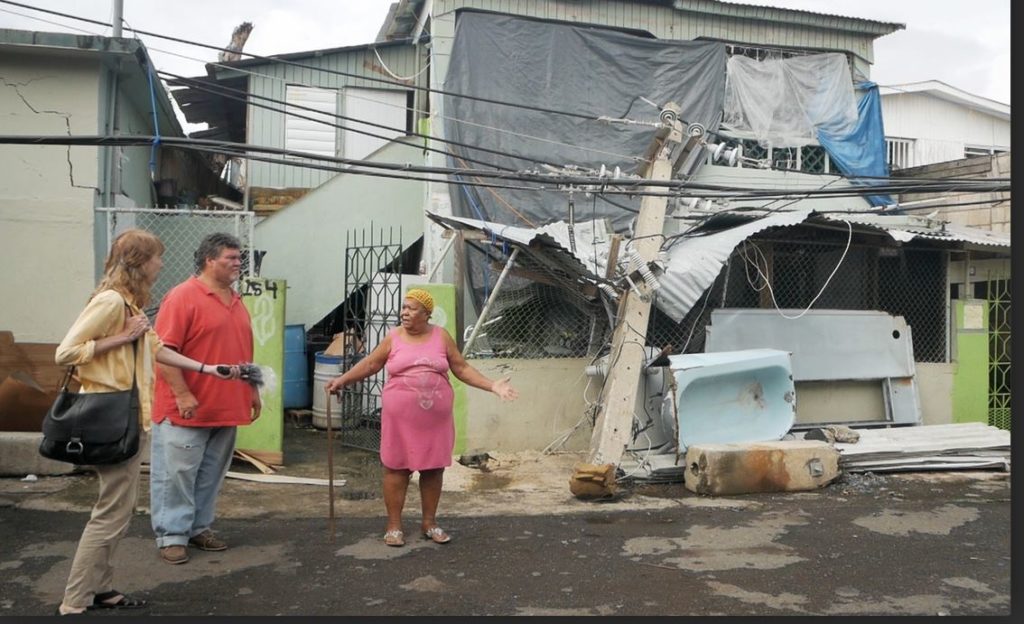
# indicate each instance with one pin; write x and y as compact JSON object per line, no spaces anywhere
{"x":550,"y":403}
{"x":46,"y":195}
{"x":935,"y":385}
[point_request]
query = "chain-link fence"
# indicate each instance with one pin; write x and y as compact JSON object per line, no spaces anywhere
{"x":542,"y":311}
{"x":181,"y":230}
{"x":793,"y":267}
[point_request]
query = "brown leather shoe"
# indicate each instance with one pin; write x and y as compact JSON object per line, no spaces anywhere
{"x":174,"y":554}
{"x":207,"y":541}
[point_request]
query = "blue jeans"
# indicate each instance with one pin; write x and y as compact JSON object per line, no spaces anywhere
{"x":187,"y":467}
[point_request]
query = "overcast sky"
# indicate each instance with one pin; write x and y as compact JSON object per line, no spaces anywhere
{"x":965,"y":44}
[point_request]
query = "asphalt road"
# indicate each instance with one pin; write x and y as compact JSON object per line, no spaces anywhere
{"x":872,"y":545}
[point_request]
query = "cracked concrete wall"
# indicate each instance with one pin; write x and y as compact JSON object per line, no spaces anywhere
{"x":550,"y":404}
{"x":46,"y":194}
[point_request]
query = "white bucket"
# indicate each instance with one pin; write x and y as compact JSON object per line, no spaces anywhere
{"x":325,"y":368}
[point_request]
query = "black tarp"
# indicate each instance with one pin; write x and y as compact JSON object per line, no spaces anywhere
{"x":587,"y":70}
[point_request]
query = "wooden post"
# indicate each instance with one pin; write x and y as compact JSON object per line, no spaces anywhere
{"x":330,"y":472}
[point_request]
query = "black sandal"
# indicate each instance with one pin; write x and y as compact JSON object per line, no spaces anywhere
{"x":126,"y":601}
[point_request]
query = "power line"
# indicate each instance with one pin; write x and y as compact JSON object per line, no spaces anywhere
{"x":871,"y":191}
{"x":195,"y":84}
{"x":579,"y":183}
{"x":282,"y":61}
{"x":227,"y":92}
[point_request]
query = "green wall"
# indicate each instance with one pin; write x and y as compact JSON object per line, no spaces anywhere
{"x":970,"y":376}
{"x":265,"y":300}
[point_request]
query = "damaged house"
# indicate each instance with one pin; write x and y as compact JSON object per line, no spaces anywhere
{"x":511,"y":149}
{"x":60,"y":203}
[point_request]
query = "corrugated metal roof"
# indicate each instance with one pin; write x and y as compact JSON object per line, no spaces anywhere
{"x":592,"y":238}
{"x":814,"y":18}
{"x":904,"y":228}
{"x":694,"y":263}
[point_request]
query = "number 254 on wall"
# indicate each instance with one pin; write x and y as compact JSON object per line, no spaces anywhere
{"x":255,"y":287}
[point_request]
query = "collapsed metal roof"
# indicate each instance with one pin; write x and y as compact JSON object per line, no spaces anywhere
{"x":693,"y":263}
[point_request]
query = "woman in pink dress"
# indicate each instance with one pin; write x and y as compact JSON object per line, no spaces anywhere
{"x":417,"y":426}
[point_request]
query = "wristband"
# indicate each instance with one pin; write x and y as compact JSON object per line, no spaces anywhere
{"x":201,"y":367}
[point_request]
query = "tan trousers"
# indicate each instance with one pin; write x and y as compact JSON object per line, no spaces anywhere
{"x":92,"y":571}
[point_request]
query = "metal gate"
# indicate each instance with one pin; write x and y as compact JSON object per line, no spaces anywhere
{"x":180,"y":230}
{"x":999,"y":353}
{"x":373,"y":279}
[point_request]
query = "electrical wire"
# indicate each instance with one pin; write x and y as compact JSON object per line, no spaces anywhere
{"x":425,"y":113}
{"x":874,"y":191}
{"x":320,"y":69}
{"x":863,"y":193}
{"x":393,"y":74}
{"x":767,"y":282}
{"x":675,"y":186}
{"x":246,"y":97}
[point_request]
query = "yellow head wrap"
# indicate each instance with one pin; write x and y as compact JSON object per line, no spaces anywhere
{"x":422,"y":296}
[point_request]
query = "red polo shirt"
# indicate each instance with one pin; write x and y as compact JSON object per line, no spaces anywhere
{"x":195,"y":322}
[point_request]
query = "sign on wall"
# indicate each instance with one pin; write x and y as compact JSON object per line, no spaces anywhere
{"x":265,"y":300}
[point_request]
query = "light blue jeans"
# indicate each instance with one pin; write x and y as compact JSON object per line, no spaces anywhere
{"x":186,"y":469}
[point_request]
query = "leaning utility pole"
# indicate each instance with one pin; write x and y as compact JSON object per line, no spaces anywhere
{"x":613,"y":426}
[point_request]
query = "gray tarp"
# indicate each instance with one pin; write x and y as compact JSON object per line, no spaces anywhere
{"x":590,"y":71}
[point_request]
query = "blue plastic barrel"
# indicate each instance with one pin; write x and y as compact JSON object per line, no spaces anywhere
{"x":296,"y":370}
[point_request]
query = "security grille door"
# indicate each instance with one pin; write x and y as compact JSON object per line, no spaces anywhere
{"x":999,"y":353}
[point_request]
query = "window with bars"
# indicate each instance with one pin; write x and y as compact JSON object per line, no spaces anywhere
{"x":760,"y":53}
{"x":807,"y":158}
{"x":899,"y":153}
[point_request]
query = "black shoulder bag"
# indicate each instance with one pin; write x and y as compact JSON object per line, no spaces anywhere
{"x":93,"y":428}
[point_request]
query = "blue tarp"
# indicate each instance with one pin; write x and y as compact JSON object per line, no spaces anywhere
{"x":861,"y":152}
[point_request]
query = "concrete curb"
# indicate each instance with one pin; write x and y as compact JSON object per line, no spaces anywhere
{"x":19,"y":456}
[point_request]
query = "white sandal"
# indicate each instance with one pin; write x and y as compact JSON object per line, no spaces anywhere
{"x":394,"y":537}
{"x":437,"y":534}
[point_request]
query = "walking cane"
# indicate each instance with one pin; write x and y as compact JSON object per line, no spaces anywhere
{"x":330,"y":469}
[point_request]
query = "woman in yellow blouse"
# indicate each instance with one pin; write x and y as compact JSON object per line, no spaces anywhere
{"x":100,"y":346}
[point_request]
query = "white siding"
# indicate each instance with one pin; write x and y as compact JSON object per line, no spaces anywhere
{"x":267,"y":127}
{"x":309,"y":132}
{"x":940,"y":129}
{"x":379,"y":106}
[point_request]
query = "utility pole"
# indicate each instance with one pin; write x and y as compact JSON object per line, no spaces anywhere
{"x":613,"y":427}
{"x":117,"y":18}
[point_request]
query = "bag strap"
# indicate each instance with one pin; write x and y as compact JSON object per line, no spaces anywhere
{"x":135,"y":348}
{"x":135,"y":360}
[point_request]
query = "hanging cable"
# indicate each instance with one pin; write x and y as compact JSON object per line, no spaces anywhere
{"x":244,"y":96}
{"x":156,"y":122}
{"x":393,"y":74}
{"x":767,"y":282}
{"x":282,"y":61}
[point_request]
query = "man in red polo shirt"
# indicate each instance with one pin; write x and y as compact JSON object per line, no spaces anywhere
{"x":194,"y":421}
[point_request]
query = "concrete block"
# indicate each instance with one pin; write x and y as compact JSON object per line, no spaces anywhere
{"x":19,"y":456}
{"x":782,"y":466}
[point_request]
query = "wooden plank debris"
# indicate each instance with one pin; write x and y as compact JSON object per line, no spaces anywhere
{"x":276,"y":478}
{"x":259,"y":465}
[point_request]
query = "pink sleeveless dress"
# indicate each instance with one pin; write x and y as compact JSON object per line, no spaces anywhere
{"x":417,"y":430}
